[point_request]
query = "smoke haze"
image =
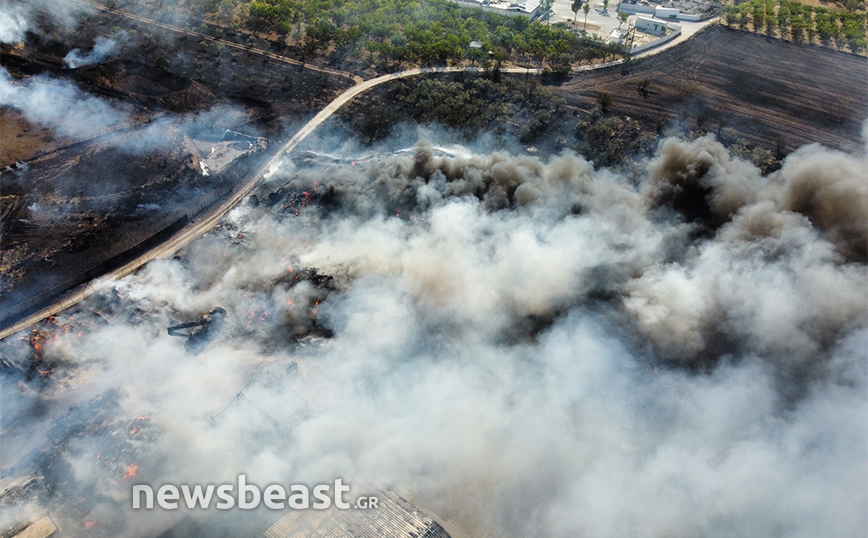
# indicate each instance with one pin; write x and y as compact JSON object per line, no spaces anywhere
{"x":103,"y":48}
{"x":18,"y":16}
{"x":13,"y":23}
{"x":59,"y":104}
{"x":526,"y":346}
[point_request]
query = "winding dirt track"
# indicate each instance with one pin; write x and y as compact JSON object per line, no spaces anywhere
{"x":207,"y":220}
{"x":202,"y":223}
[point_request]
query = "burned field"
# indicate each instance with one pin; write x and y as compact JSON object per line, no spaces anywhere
{"x":757,"y":95}
{"x":774,"y":94}
{"x":170,"y":139}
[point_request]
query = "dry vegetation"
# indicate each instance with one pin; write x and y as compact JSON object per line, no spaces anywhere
{"x":762,"y":97}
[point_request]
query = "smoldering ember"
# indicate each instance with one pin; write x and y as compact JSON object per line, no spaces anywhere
{"x":507,"y":269}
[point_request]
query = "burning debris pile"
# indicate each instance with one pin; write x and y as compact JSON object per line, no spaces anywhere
{"x":35,"y":363}
{"x":92,"y":435}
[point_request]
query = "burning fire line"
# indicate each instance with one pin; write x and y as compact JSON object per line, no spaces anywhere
{"x":132,"y":471}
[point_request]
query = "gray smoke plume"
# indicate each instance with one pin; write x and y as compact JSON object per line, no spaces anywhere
{"x":13,"y":23}
{"x":521,"y":346}
{"x":103,"y":48}
{"x":18,"y":16}
{"x":59,"y":104}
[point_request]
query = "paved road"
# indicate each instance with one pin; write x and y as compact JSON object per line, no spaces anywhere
{"x":204,"y":222}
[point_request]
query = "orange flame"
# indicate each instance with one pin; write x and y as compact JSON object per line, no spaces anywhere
{"x":132,"y":471}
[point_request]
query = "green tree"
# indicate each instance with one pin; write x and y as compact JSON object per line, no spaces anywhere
{"x":622,"y":18}
{"x":545,"y":7}
{"x":784,"y":19}
{"x":605,"y":100}
{"x":586,"y":8}
{"x":744,"y":11}
{"x":759,"y":15}
{"x":731,"y":14}
{"x":576,"y":6}
{"x":771,"y":18}
{"x":810,"y":29}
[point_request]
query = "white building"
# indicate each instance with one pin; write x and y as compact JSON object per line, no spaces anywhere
{"x":650,"y":26}
{"x":666,"y":13}
{"x":659,"y":12}
{"x":510,"y":8}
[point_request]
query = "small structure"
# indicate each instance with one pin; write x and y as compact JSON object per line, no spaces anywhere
{"x":667,"y":13}
{"x":43,"y":528}
{"x":392,"y":517}
{"x":201,"y":331}
{"x":268,"y":400}
{"x":682,"y":10}
{"x":510,"y":8}
{"x":530,"y":9}
{"x":650,"y":26}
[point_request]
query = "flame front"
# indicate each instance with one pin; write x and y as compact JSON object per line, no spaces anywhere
{"x":132,"y":471}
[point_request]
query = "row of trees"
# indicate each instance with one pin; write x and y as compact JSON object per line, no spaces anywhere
{"x":790,"y":19}
{"x":388,"y":33}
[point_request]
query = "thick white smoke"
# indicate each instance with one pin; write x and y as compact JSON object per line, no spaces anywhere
{"x":522,"y":346}
{"x":13,"y":23}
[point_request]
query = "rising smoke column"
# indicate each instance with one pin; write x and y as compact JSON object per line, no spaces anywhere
{"x":103,"y":48}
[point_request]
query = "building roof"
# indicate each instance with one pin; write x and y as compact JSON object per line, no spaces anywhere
{"x":41,"y":529}
{"x":394,"y":517}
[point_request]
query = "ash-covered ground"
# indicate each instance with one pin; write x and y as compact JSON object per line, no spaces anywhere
{"x":113,"y":132}
{"x":521,"y":346}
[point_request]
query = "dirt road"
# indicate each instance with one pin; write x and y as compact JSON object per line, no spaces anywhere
{"x":204,"y":222}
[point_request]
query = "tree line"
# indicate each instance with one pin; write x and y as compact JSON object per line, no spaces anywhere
{"x":790,"y":19}
{"x":386,"y":34}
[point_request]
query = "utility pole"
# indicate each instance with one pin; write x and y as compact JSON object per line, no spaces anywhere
{"x":627,"y":66}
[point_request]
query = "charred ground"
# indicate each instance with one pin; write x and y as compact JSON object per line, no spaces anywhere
{"x":71,"y":203}
{"x":762,"y":97}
